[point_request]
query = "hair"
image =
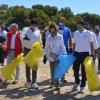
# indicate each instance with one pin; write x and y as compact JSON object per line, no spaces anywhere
{"x":62,"y":19}
{"x":53,"y":25}
{"x":14,"y":25}
{"x":81,"y":21}
{"x":33,"y":21}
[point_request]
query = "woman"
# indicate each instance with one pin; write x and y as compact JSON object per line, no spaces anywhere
{"x":54,"y":46}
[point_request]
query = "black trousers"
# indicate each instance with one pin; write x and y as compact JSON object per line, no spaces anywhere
{"x":2,"y":55}
{"x":28,"y":70}
{"x":80,"y":57}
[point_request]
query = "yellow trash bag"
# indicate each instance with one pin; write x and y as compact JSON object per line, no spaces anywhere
{"x":7,"y":71}
{"x":32,"y":58}
{"x":91,"y":74}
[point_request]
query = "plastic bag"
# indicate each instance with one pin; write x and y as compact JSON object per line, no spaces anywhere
{"x":91,"y":74}
{"x":65,"y":62}
{"x":32,"y":58}
{"x":7,"y":71}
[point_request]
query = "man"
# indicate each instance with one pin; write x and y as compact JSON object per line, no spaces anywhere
{"x":3,"y":34}
{"x":14,"y":47}
{"x":97,"y":33}
{"x":45,"y":34}
{"x":83,"y":47}
{"x":30,"y":35}
{"x":66,"y":32}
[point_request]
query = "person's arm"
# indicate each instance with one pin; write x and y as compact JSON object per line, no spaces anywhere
{"x":74,"y":41}
{"x":70,"y":40}
{"x":92,"y":48}
{"x":46,"y":51}
{"x":3,"y":45}
{"x":74,"y":44}
{"x":91,"y":43}
{"x":70,"y":43}
{"x":63,"y":46}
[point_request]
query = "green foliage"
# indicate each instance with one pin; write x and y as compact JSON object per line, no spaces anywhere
{"x":48,"y":10}
{"x":65,"y":12}
{"x":43,"y":14}
{"x":93,"y":19}
{"x":19,"y":15}
{"x":40,"y":16}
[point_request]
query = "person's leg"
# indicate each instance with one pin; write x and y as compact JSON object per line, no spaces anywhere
{"x":83,"y":81}
{"x":28,"y":79}
{"x":34,"y":79}
{"x":10,"y":57}
{"x":52,"y":72}
{"x":63,"y":79}
{"x":28,"y":74}
{"x":98,"y":64}
{"x":2,"y":57}
{"x":98,"y":58}
{"x":34,"y":76}
{"x":76,"y":67}
{"x":17,"y":73}
{"x":56,"y":81}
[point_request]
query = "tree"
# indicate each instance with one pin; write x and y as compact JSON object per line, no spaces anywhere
{"x":65,"y":12}
{"x":19,"y":15}
{"x":48,"y":10}
{"x":93,"y":19}
{"x":40,"y":16}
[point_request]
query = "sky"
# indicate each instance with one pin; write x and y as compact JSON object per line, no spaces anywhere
{"x":77,"y":6}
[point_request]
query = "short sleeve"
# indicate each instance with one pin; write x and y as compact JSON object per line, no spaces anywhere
{"x":75,"y":35}
{"x":90,"y":37}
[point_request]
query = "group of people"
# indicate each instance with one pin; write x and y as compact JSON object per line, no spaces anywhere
{"x":56,"y":39}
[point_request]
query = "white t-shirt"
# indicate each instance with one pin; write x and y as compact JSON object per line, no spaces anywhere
{"x":33,"y":37}
{"x":12,"y":46}
{"x":94,"y":40}
{"x":98,"y":40}
{"x":82,"y":41}
{"x":3,"y":33}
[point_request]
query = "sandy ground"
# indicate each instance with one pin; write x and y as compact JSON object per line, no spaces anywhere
{"x":20,"y":92}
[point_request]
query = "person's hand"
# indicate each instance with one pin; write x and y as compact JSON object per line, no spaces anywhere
{"x":3,"y":46}
{"x":57,"y":62}
{"x":26,"y":38}
{"x":92,"y":55}
{"x":70,"y":50}
{"x":44,"y":59}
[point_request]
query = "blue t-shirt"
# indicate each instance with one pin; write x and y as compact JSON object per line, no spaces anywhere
{"x":66,"y":35}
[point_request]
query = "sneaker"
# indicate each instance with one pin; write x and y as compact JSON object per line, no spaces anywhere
{"x":98,"y":72}
{"x":29,"y":85}
{"x":74,"y":88}
{"x":64,"y":81}
{"x":57,"y":88}
{"x":35,"y":86}
{"x":15,"y":82}
{"x":82,"y":89}
{"x":52,"y":85}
